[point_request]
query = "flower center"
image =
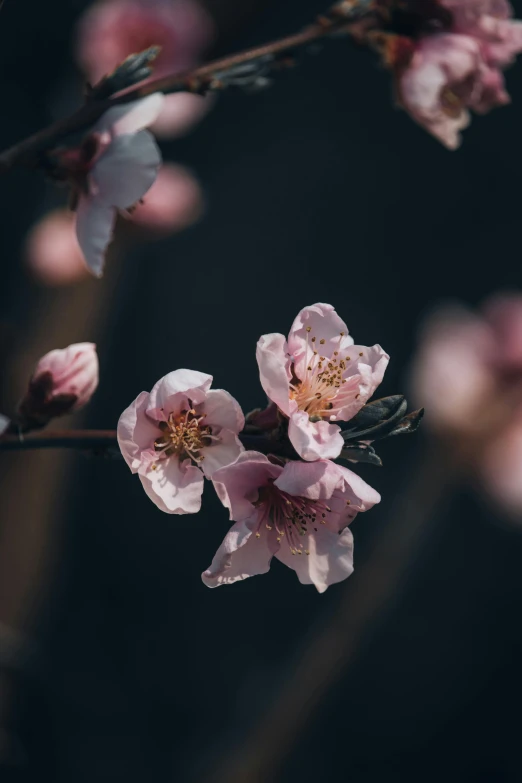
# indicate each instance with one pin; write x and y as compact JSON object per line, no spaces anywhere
{"x":317,"y":391}
{"x":184,"y":435}
{"x":292,"y":517}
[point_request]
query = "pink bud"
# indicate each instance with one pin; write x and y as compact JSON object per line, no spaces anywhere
{"x":64,"y":381}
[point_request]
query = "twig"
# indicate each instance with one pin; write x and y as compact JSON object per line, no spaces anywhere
{"x":200,"y":80}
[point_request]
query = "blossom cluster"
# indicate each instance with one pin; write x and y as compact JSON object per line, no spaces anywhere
{"x":294,"y":503}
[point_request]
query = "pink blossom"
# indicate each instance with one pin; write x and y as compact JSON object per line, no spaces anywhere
{"x":460,"y":68}
{"x":176,"y":434}
{"x":52,"y":252}
{"x":73,"y":371}
{"x":4,"y":423}
{"x":63,"y":381}
{"x":113,"y":29}
{"x":318,"y":377}
{"x":298,"y":512}
{"x":113,"y":168}
{"x":174,"y":201}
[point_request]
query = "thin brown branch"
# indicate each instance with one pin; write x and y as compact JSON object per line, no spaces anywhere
{"x":199,"y":80}
{"x":86,"y":440}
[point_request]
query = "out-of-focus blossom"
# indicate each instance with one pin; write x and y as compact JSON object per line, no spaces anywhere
{"x":111,"y":30}
{"x":298,"y":512}
{"x":468,"y":373}
{"x":52,"y":252}
{"x":458,"y":65}
{"x":63,"y":381}
{"x":174,"y":202}
{"x":4,"y":423}
{"x":318,"y":377}
{"x":112,"y":169}
{"x":176,"y":434}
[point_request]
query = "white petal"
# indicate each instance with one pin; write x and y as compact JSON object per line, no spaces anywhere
{"x":131,"y":117}
{"x":94,"y":227}
{"x":127,"y":169}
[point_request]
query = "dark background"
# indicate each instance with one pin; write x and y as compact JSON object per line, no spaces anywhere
{"x":317,"y":190}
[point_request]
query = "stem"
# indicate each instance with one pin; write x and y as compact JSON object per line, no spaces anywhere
{"x":199,"y":80}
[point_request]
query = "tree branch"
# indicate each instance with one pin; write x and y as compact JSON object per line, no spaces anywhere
{"x":207,"y":78}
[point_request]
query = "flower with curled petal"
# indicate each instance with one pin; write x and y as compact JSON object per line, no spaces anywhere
{"x":318,"y":377}
{"x":298,"y":513}
{"x":178,"y":433}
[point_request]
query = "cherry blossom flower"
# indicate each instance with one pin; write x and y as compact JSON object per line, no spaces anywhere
{"x":52,"y":252}
{"x":459,"y":68}
{"x":4,"y":424}
{"x":468,"y":372}
{"x":318,"y":377}
{"x":112,"y":169}
{"x":298,"y":512}
{"x":111,"y":30}
{"x":176,"y":434}
{"x":63,"y":381}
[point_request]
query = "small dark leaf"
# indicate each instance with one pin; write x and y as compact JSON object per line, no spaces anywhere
{"x":376,"y":419}
{"x":409,"y":424}
{"x":361,"y":453}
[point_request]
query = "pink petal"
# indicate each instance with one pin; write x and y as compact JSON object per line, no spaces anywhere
{"x":314,"y":440}
{"x":368,"y":367}
{"x":312,"y":480}
{"x":325,"y":325}
{"x":241,"y":554}
{"x":222,"y":410}
{"x":94,"y":228}
{"x":238,"y":485}
{"x":330,"y":559}
{"x":274,"y":369}
{"x":136,"y":432}
{"x":222,"y":453}
{"x":128,"y":168}
{"x":4,"y":423}
{"x":131,"y":117}
{"x":171,"y":391}
{"x":175,"y":488}
{"x":179,"y":114}
{"x":360,"y":494}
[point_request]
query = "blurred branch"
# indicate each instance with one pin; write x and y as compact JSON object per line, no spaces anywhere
{"x":207,"y":78}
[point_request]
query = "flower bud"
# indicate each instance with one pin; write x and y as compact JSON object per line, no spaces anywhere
{"x":64,"y":381}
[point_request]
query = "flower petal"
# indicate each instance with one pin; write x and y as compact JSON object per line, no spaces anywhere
{"x":312,"y":480}
{"x":181,"y":384}
{"x":241,"y":554}
{"x":174,"y":487}
{"x":330,"y":559}
{"x":94,"y":228}
{"x":274,"y":369}
{"x":314,"y":440}
{"x":126,"y":170}
{"x":4,"y":423}
{"x":221,"y":453}
{"x":324,"y":324}
{"x":238,"y":485}
{"x":136,"y":432}
{"x":131,"y":117}
{"x":222,"y":410}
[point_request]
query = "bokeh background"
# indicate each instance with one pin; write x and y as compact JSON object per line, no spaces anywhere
{"x":315,"y":190}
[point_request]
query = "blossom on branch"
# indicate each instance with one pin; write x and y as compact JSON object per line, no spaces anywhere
{"x":318,"y":377}
{"x":112,"y":169}
{"x":298,"y":513}
{"x":178,"y":433}
{"x":63,"y":381}
{"x":454,"y":62}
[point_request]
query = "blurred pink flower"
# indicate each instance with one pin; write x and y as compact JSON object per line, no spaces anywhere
{"x":63,"y":381}
{"x":459,"y":69}
{"x":468,"y":374}
{"x":298,"y":512}
{"x":4,"y":423}
{"x":174,"y":202}
{"x":180,"y":431}
{"x":52,"y":252}
{"x":317,"y":377}
{"x":113,"y":29}
{"x":112,"y":169}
